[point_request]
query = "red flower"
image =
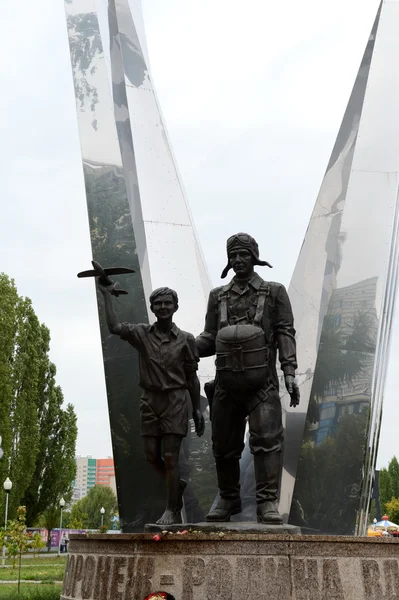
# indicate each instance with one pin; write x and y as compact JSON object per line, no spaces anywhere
{"x":156,"y":537}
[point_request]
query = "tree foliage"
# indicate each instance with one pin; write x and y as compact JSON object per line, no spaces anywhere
{"x":392,"y":510}
{"x":55,"y":462}
{"x":385,"y":484}
{"x":86,"y":512}
{"x":393,"y":470}
{"x":78,"y":517}
{"x":389,"y":489}
{"x":50,"y":519}
{"x":16,"y":539}
{"x":37,"y":543}
{"x":39,"y":435}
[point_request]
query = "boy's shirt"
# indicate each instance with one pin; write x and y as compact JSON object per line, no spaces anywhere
{"x":165,"y":361}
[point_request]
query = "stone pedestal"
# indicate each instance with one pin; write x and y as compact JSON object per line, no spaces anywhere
{"x":231,"y":566}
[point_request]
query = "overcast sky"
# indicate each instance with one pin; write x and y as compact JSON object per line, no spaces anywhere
{"x":253,"y":94}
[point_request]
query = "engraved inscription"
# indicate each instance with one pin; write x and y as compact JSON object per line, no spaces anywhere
{"x":193,"y":575}
{"x":277,"y":578}
{"x":332,"y":584}
{"x":118,"y":577}
{"x":78,"y":573}
{"x":102,"y":577}
{"x":88,"y":577}
{"x":391,"y":573}
{"x":381,"y":584}
{"x":305,"y":578}
{"x":144,"y":573}
{"x":130,"y":578}
{"x":263,"y":578}
{"x":215,"y":577}
{"x":219,"y":577}
{"x":249,"y":578}
{"x":69,"y":575}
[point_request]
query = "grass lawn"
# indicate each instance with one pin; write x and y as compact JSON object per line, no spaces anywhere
{"x":28,"y":591}
{"x":46,"y":569}
{"x":41,"y":559}
{"x":35,"y":573}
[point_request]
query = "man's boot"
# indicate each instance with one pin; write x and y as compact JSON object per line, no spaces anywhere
{"x":267,"y":476}
{"x":229,"y":503}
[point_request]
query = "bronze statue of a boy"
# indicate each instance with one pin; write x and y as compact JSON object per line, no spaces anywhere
{"x":168,"y":373}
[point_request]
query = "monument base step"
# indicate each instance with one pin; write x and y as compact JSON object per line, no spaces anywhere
{"x":229,"y":526}
{"x":232,"y":565}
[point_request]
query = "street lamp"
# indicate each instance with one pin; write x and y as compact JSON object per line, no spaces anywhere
{"x":102,"y":511}
{"x":7,"y":485}
{"x":62,"y":504}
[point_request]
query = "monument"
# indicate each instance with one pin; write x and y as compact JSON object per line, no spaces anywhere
{"x":246,"y":322}
{"x":343,"y":308}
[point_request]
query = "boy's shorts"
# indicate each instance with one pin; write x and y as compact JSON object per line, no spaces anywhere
{"x":164,"y":412}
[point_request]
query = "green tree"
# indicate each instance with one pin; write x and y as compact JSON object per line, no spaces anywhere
{"x":55,"y":463}
{"x":78,"y":517}
{"x":393,"y":470}
{"x":16,"y":539}
{"x":37,"y":543}
{"x":50,"y":519}
{"x":27,"y":357}
{"x":89,"y":507}
{"x":385,"y":485}
{"x":66,"y":519}
{"x":8,"y":324}
{"x":392,"y":510}
{"x":39,"y":435}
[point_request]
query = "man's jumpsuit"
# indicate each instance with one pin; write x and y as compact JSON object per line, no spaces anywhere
{"x":229,"y":305}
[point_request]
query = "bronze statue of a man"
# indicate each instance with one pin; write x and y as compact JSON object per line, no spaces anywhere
{"x":168,"y":372}
{"x":247,"y":320}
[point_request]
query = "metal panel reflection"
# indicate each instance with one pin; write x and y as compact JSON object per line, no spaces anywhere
{"x":172,"y":245}
{"x":174,"y":253}
{"x":343,"y":291}
{"x":113,"y":242}
{"x":138,"y":217}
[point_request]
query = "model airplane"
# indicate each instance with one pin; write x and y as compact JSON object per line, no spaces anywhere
{"x":103,"y":275}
